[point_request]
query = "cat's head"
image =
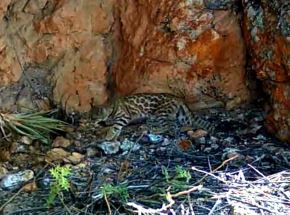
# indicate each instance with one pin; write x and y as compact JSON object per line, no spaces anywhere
{"x":102,"y":114}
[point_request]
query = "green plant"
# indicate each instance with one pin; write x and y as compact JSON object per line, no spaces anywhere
{"x":61,"y":182}
{"x":182,"y":173}
{"x":119,"y":191}
{"x":165,"y":173}
{"x":33,"y":125}
{"x":179,"y":181}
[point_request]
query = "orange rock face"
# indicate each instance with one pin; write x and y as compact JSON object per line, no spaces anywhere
{"x":67,"y":39}
{"x":179,"y":46}
{"x":267,"y":34}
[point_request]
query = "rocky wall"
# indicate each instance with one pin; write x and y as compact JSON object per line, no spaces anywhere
{"x":182,"y":47}
{"x":74,"y":53}
{"x":68,"y":39}
{"x":266,"y":27}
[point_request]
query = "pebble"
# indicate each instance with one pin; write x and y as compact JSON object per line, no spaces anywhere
{"x":75,"y":158}
{"x":3,"y":171}
{"x":56,"y":154}
{"x":197,"y":134}
{"x":229,"y":140}
{"x":166,"y":142}
{"x":184,"y":145}
{"x":61,"y":142}
{"x":25,"y":140}
{"x":30,"y":187}
{"x":14,"y":181}
{"x":260,"y":137}
{"x":207,"y":149}
{"x":232,"y":152}
{"x":153,"y":138}
{"x":200,"y":140}
{"x":110,"y":147}
{"x":213,"y":139}
{"x":19,"y":147}
{"x":107,"y":170}
{"x":214,"y":146}
{"x":91,"y":152}
{"x":128,"y":145}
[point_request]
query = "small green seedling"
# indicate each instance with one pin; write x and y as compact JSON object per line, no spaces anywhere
{"x":120,"y":191}
{"x":61,"y":182}
{"x":178,"y":181}
{"x":182,"y":173}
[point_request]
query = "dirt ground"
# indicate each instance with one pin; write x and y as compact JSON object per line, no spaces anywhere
{"x":146,"y":172}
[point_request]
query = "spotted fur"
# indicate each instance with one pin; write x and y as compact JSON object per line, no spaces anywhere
{"x":160,"y":106}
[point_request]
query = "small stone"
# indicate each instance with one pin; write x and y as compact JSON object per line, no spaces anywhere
{"x":163,"y":149}
{"x":5,"y":155}
{"x":26,"y":140}
{"x":153,"y":138}
{"x":91,"y":152}
{"x":3,"y":172}
{"x":184,"y":145}
{"x":214,"y":146}
{"x":81,"y":165}
{"x":14,"y":181}
{"x":231,"y":152}
{"x":128,"y":145}
{"x":61,"y":142}
{"x":30,"y":187}
{"x":260,"y":137}
{"x":46,"y":180}
{"x":18,"y":147}
{"x":197,"y":134}
{"x":110,"y":147}
{"x":200,"y":140}
{"x":75,"y":158}
{"x":229,"y":140}
{"x":207,"y":149}
{"x":213,"y":139}
{"x":107,"y":170}
{"x":166,"y":142}
{"x":77,"y":143}
{"x":56,"y":154}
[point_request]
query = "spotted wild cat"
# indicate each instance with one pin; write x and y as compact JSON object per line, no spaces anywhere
{"x":161,"y":107}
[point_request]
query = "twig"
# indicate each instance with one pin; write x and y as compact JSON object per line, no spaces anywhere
{"x":257,"y":171}
{"x":254,"y":204}
{"x":190,"y":204}
{"x":23,"y":210}
{"x":82,"y":211}
{"x":61,"y":199}
{"x":216,"y":169}
{"x":206,"y":175}
{"x":108,"y":204}
{"x":169,"y":198}
{"x":214,"y":207}
{"x":11,"y":199}
{"x":186,"y":191}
